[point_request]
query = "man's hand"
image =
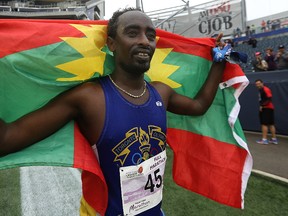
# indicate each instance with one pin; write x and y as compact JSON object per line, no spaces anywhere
{"x":221,"y":49}
{"x":223,"y":52}
{"x":219,"y":42}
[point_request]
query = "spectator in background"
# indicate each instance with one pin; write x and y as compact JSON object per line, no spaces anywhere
{"x":259,"y":64}
{"x":268,"y":25}
{"x":266,"y":113}
{"x":229,"y":41}
{"x":274,"y":25}
{"x":238,"y":32}
{"x":270,"y":59}
{"x":278,"y":24}
{"x":248,"y":32}
{"x":253,"y":29}
{"x":253,"y":42}
{"x":263,"y":26}
{"x":281,"y":58}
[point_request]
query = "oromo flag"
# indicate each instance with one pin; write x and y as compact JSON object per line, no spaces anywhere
{"x":41,"y":58}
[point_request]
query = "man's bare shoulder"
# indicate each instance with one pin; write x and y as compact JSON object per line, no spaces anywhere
{"x":161,"y":87}
{"x":88,"y":87}
{"x":164,"y":90}
{"x":84,"y":93}
{"x":90,"y":84}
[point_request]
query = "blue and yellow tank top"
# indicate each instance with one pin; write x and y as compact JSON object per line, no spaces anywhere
{"x":131,"y":134}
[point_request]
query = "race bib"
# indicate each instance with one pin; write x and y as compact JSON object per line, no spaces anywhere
{"x":141,"y":185}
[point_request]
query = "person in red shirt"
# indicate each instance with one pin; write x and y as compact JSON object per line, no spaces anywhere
{"x":266,"y":113}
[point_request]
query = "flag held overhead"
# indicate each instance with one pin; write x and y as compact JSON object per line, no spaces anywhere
{"x":49,"y":57}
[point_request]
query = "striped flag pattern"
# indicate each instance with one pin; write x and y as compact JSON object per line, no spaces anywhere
{"x":42,"y":58}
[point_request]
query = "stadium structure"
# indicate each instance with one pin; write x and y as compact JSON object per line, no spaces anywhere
{"x":53,"y":9}
{"x":203,"y":20}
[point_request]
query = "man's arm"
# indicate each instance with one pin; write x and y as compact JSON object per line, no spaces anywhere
{"x":180,"y":104}
{"x":266,"y":101}
{"x":277,"y":56}
{"x":39,"y":124}
{"x":183,"y":105}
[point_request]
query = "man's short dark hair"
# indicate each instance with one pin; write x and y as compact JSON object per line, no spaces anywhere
{"x":113,"y":21}
{"x":258,"y":80}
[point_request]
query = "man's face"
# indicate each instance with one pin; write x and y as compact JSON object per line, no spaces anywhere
{"x":259,"y":84}
{"x":258,"y":57}
{"x":135,"y":42}
{"x":268,"y":52}
{"x":281,"y":50}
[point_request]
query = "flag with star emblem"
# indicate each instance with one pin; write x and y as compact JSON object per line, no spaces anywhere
{"x":41,"y":58}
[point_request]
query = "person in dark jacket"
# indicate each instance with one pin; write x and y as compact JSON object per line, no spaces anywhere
{"x":270,"y":59}
{"x":281,"y":58}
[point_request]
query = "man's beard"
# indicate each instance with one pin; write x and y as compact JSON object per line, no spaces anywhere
{"x":136,"y":68}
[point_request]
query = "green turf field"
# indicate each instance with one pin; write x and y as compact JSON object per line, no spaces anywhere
{"x":60,"y":189}
{"x":263,"y":197}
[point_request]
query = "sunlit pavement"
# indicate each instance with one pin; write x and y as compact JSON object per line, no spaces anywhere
{"x":50,"y":191}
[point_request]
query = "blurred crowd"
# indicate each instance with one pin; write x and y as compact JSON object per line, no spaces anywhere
{"x":264,"y":26}
{"x":265,"y":59}
{"x":270,"y":61}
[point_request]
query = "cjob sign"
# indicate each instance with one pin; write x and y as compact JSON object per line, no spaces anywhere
{"x":208,"y":19}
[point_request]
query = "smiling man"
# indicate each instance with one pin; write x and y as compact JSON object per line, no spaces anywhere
{"x":120,"y":115}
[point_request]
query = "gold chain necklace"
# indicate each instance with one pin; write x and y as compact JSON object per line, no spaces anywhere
{"x":128,"y":93}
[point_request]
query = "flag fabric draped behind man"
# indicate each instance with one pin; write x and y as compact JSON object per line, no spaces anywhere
{"x":41,"y":58}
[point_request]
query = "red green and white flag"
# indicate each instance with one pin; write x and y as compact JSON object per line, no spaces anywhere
{"x":41,"y":58}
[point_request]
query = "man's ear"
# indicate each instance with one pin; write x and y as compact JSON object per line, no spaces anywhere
{"x":111,"y":44}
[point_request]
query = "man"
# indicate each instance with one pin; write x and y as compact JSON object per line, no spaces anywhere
{"x":263,"y":24}
{"x":259,"y":64}
{"x":281,"y":58}
{"x":253,"y":42}
{"x":109,"y":108}
{"x":270,"y":59}
{"x":266,"y":113}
